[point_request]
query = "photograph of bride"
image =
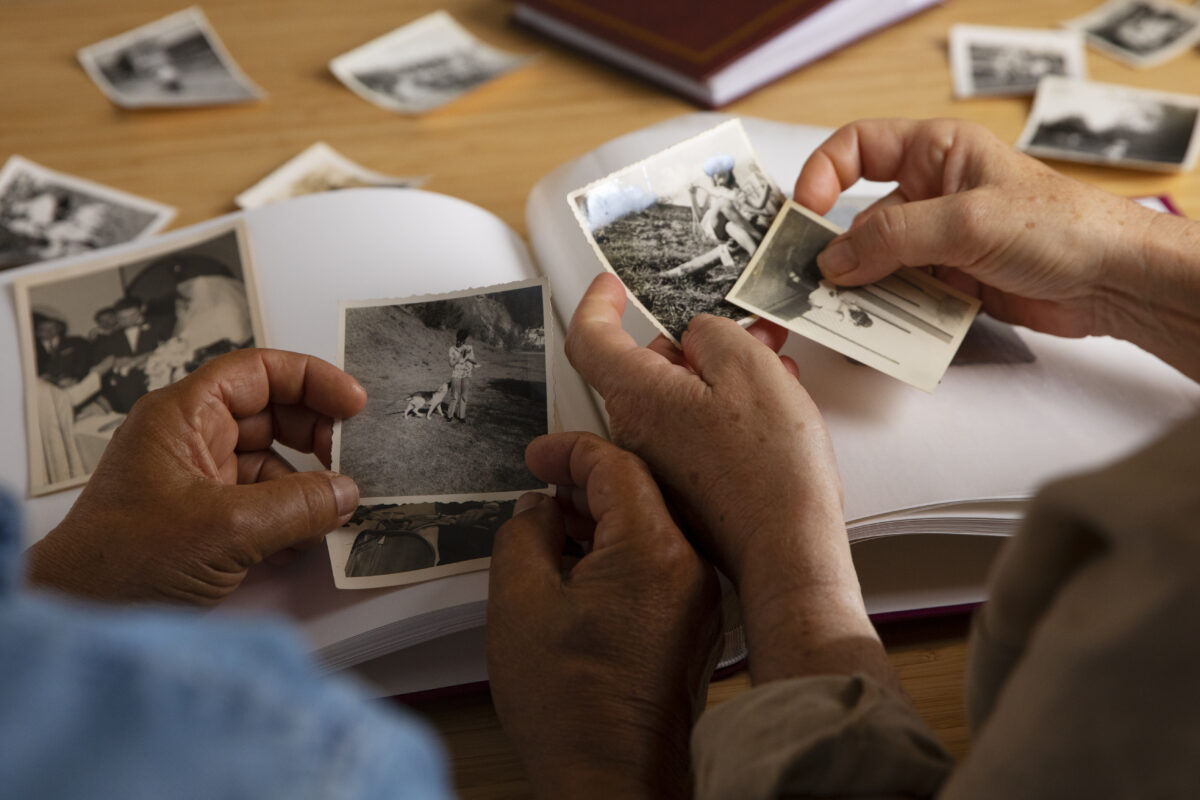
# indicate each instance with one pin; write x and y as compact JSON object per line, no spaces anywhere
{"x":98,"y":335}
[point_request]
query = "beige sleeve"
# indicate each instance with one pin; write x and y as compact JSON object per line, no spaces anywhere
{"x":820,"y":736}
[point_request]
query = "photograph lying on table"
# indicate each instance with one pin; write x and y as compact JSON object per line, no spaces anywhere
{"x":1116,"y":125}
{"x":320,"y":168}
{"x":46,"y":214}
{"x":987,"y":60}
{"x":908,"y":325}
{"x":175,"y":61}
{"x":679,"y":227}
{"x":457,"y":386}
{"x":97,"y":335}
{"x":1143,"y":33}
{"x":423,"y":65}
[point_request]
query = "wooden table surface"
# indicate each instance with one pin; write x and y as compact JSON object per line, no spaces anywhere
{"x":489,"y":148}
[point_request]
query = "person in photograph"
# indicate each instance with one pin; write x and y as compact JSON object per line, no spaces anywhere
{"x":725,"y":211}
{"x":462,"y":365}
{"x":212,"y":313}
{"x":137,"y":336}
{"x":151,"y":61}
{"x":62,"y":359}
{"x":106,"y":323}
{"x":1144,"y":29}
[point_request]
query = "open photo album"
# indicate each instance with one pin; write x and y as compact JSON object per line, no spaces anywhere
{"x":454,"y":325}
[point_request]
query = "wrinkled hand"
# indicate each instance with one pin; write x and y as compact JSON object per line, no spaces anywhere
{"x":598,"y":674}
{"x":189,"y":494}
{"x":1038,"y":248}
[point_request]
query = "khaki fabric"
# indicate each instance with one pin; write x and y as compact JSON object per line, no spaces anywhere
{"x":1084,"y":679}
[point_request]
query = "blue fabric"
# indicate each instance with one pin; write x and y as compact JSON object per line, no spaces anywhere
{"x":99,"y":702}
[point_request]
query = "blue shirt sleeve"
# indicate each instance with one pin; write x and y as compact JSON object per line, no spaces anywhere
{"x":105,"y":702}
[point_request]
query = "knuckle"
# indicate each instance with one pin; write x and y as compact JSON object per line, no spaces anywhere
{"x":889,"y":227}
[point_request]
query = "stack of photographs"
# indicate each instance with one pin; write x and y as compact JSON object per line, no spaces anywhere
{"x":457,"y":386}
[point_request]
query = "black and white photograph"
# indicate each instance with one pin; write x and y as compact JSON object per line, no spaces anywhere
{"x":679,"y":227}
{"x":423,"y":65}
{"x":175,"y":61}
{"x":96,"y":336}
{"x":993,"y":61}
{"x":395,"y":543}
{"x":319,"y":168}
{"x":1143,"y":33}
{"x":457,"y":386}
{"x":46,"y":214}
{"x":1119,"y":126}
{"x":908,"y":325}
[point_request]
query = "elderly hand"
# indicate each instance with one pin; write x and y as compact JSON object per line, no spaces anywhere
{"x":189,"y":494}
{"x":598,"y":672}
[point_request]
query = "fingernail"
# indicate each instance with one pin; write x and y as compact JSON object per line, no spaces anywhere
{"x":837,"y":259}
{"x":527,"y":501}
{"x":345,"y":492}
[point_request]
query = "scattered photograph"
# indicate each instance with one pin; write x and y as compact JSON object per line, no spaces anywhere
{"x":394,"y":543}
{"x":423,"y":65}
{"x":320,"y":168}
{"x":1115,"y":125}
{"x":990,"y":341}
{"x":96,"y":336}
{"x":1010,"y":61}
{"x":457,"y":386}
{"x":908,"y":325}
{"x":1140,"y":32}
{"x":46,"y":214}
{"x":679,"y":227}
{"x":176,"y":61}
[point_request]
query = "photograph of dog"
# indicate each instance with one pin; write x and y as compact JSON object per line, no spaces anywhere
{"x":485,"y":351}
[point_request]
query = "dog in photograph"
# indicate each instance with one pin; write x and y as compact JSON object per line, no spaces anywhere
{"x":429,"y":402}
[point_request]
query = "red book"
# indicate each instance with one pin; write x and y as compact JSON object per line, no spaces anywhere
{"x":709,"y":51}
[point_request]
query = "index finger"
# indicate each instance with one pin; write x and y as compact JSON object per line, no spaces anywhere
{"x":245,"y":381}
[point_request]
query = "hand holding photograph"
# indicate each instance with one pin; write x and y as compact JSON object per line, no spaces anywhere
{"x":320,"y":168}
{"x":908,"y":325}
{"x":423,"y":65}
{"x":46,"y":214}
{"x":175,"y":61}
{"x":987,"y":60}
{"x":1143,"y":33}
{"x":679,"y":227}
{"x":1119,"y":126}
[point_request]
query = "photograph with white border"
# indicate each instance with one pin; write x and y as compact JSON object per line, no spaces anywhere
{"x":908,"y":325}
{"x":98,"y":334}
{"x":175,"y":61}
{"x":1143,"y":33}
{"x":457,"y":386}
{"x":422,"y":65}
{"x":988,"y":60}
{"x":1101,"y":123}
{"x":319,"y":168}
{"x":679,"y":227}
{"x":46,"y":214}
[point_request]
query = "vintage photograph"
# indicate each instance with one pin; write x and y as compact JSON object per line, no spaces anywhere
{"x":46,"y":214}
{"x":457,"y":386}
{"x":907,"y":325}
{"x":394,"y":543}
{"x":98,"y":335}
{"x":1140,"y":32}
{"x":423,"y":65}
{"x":987,"y":60}
{"x":320,"y":168}
{"x":679,"y":227}
{"x":1115,"y":125}
{"x":175,"y":61}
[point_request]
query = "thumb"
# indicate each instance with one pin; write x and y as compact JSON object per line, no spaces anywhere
{"x":941,"y":231}
{"x":282,"y":512}
{"x":722,"y":352}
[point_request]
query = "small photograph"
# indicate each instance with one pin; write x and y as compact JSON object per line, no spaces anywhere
{"x":1140,"y":32}
{"x":679,"y":227}
{"x":394,"y":543}
{"x":1115,"y":125}
{"x":1010,"y":61}
{"x":457,"y":386}
{"x":176,"y":61}
{"x":97,"y":336}
{"x":423,"y":65}
{"x":907,"y":325}
{"x":46,"y":214}
{"x":320,"y":168}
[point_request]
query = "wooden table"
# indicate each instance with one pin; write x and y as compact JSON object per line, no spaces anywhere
{"x":489,"y":148}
